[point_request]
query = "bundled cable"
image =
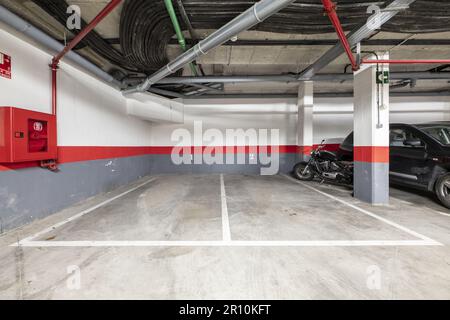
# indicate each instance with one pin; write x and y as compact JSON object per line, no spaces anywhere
{"x":145,"y":32}
{"x":145,"y":28}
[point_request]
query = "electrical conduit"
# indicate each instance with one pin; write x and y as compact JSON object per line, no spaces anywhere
{"x":251,"y":17}
{"x":179,"y":33}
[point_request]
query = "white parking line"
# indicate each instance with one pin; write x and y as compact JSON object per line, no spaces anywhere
{"x":442,"y":213}
{"x":373,"y":215}
{"x":83,"y":213}
{"x":226,"y":242}
{"x":331,"y":243}
{"x":225,"y":219}
{"x":412,"y":204}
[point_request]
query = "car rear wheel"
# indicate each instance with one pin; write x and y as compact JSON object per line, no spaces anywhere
{"x":301,"y":172}
{"x":443,"y":189}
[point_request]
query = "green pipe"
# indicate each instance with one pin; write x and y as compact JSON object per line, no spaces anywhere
{"x":179,"y":33}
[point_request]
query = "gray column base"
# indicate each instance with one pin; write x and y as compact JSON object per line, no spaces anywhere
{"x":371,"y":182}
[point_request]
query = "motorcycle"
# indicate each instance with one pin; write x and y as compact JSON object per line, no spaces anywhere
{"x":325,"y":166}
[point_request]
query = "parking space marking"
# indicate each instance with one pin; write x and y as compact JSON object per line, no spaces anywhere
{"x":83,"y":213}
{"x":412,"y":204}
{"x":442,"y":213}
{"x":226,"y":231}
{"x":373,"y":215}
{"x":293,"y":244}
{"x":226,"y":242}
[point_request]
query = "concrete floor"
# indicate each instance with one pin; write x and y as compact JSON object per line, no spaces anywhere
{"x":167,"y":237}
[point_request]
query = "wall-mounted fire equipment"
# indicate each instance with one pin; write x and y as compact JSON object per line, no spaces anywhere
{"x":27,"y":136}
{"x":5,"y":66}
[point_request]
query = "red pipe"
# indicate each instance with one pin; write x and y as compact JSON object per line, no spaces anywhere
{"x":103,"y":14}
{"x":54,"y":66}
{"x":55,"y":61}
{"x":54,"y":88}
{"x":330,"y":9}
{"x":405,"y":61}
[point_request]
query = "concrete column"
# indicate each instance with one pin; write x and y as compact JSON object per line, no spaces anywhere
{"x":305,"y":120}
{"x":371,"y":133}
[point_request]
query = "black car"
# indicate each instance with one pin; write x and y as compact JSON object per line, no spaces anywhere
{"x":419,"y":157}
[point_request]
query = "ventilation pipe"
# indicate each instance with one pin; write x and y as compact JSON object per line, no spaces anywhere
{"x":328,"y":77}
{"x":435,"y":61}
{"x":256,"y":14}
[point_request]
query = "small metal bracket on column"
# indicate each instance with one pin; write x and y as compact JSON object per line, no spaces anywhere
{"x":358,"y":54}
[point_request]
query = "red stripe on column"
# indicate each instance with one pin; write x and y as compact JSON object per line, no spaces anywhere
{"x":371,"y":154}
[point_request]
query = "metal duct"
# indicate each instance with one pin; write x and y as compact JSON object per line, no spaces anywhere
{"x":292,"y":78}
{"x":256,"y":14}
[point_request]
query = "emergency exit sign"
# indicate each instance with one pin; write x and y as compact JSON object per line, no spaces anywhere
{"x":383,"y":77}
{"x":5,"y":66}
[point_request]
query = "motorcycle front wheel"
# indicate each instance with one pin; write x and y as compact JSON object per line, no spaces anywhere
{"x":302,"y":173}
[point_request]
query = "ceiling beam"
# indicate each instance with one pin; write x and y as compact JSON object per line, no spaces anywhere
{"x":166,"y":93}
{"x":313,"y":42}
{"x":317,"y":95}
{"x":203,"y":89}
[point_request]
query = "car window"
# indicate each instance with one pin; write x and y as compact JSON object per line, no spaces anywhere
{"x":397,"y":138}
{"x":348,"y":143}
{"x":440,"y":133}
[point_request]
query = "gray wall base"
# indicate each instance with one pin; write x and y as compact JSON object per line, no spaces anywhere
{"x":371,"y":182}
{"x":34,"y":193}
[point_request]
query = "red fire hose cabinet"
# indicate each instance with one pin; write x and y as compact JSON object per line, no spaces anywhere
{"x":27,"y":135}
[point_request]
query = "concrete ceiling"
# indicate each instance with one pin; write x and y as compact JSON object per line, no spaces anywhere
{"x":250,"y":60}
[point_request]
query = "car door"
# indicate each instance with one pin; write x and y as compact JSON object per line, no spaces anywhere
{"x":408,"y":164}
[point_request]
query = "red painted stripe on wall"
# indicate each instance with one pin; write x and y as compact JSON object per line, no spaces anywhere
{"x":371,"y":154}
{"x":79,"y":154}
{"x":305,"y":150}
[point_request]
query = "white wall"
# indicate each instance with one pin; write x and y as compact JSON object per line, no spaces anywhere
{"x":333,"y":117}
{"x":90,"y":112}
{"x":235,"y":114}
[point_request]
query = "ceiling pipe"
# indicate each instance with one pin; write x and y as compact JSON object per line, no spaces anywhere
{"x":178,"y":32}
{"x":20,"y":25}
{"x":356,"y":37}
{"x":83,"y":33}
{"x":72,"y":44}
{"x":442,"y":61}
{"x":330,"y":9}
{"x":251,"y":17}
{"x":331,"y":77}
{"x":319,"y":42}
{"x":316,"y":95}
